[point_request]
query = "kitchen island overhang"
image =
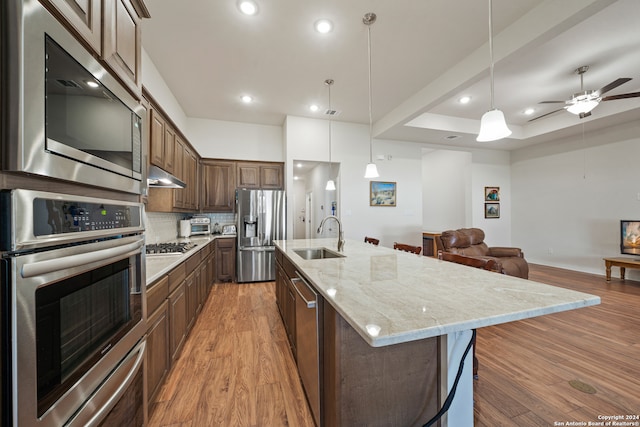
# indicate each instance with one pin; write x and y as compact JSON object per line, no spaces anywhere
{"x":411,"y":297}
{"x":393,"y":298}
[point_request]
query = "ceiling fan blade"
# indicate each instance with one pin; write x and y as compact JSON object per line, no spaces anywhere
{"x":621,"y":96}
{"x":545,"y":115}
{"x":614,"y":84}
{"x":552,"y":102}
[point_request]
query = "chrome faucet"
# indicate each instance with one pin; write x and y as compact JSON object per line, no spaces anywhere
{"x":340,"y":233}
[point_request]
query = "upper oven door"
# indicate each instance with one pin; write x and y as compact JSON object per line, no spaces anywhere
{"x":59,"y":125}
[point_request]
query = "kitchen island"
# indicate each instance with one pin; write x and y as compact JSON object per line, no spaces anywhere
{"x":388,"y":317}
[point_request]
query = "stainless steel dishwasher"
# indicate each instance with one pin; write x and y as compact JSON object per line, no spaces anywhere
{"x":308,"y":336}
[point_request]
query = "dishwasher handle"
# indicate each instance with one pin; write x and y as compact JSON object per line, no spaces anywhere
{"x":295,"y":281}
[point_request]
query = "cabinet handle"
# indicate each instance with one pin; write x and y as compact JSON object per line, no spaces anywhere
{"x":309,"y":304}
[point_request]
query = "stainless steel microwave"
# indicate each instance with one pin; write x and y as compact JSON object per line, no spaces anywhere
{"x":63,"y":115}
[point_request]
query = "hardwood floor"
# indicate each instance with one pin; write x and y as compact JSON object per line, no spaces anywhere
{"x":237,"y":370}
{"x":526,"y":366}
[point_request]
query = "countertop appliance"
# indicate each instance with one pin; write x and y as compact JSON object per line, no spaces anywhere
{"x":200,"y":225}
{"x":66,"y":116}
{"x":73,"y":316}
{"x":229,"y":229}
{"x":261,"y":220}
{"x":308,"y":319}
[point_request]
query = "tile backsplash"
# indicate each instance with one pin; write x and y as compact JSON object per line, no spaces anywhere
{"x":163,"y":227}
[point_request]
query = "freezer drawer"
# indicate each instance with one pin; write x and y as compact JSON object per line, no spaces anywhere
{"x":256,"y":264}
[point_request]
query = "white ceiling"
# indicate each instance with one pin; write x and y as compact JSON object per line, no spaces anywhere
{"x":425,"y":55}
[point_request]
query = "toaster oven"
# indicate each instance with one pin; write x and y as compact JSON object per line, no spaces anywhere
{"x":200,"y":225}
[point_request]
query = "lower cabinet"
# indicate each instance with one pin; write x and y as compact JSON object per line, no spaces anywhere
{"x":158,"y":360}
{"x":286,"y":298}
{"x":177,"y":319}
{"x":225,"y":259}
{"x":173,"y":304}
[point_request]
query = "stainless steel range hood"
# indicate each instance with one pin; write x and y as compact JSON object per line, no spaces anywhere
{"x":157,"y":177}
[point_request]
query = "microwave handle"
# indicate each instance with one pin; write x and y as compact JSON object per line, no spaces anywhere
{"x":49,"y":266}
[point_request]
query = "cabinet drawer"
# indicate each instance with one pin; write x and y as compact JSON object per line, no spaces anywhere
{"x":157,"y":293}
{"x":177,"y":276}
{"x":193,"y":261}
{"x":225,"y":242}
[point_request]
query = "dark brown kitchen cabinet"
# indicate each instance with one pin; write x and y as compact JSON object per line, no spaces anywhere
{"x":177,"y":320}
{"x":158,"y":357}
{"x":285,"y":297}
{"x":156,"y":138}
{"x":225,"y":250}
{"x":122,"y":40}
{"x":262,"y":175}
{"x":218,"y":185}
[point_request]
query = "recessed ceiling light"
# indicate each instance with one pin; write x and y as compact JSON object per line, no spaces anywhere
{"x":314,"y":108}
{"x":464,"y":100}
{"x":92,"y":84}
{"x":529,"y":111}
{"x":248,"y":7}
{"x":246,"y":99}
{"x":299,"y":165}
{"x":295,"y":178}
{"x":323,"y":26}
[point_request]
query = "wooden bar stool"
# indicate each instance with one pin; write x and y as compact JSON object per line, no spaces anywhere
{"x":407,"y":248}
{"x":371,"y":240}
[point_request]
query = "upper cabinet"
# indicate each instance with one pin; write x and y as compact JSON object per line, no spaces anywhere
{"x":122,"y":41}
{"x":111,"y":28}
{"x":83,"y":16}
{"x":268,"y":176}
{"x":218,"y":185}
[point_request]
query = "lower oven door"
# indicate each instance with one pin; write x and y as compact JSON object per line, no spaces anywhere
{"x":77,"y":312}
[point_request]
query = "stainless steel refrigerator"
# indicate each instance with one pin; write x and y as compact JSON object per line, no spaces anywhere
{"x":261,"y":220}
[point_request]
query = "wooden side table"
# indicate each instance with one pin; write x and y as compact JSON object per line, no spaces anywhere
{"x":429,"y":247}
{"x":622,"y":263}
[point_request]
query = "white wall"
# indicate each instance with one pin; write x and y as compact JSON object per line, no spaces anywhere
{"x":492,"y":168}
{"x":232,"y":140}
{"x":569,"y":197}
{"x":156,"y":86}
{"x":446,"y":181}
{"x":307,"y":139}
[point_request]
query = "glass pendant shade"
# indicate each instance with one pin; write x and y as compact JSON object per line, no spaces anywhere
{"x":493,"y":126}
{"x":331,"y":185}
{"x":371,"y":171}
{"x":581,"y":107}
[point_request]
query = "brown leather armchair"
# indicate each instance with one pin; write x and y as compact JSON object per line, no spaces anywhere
{"x":470,"y":242}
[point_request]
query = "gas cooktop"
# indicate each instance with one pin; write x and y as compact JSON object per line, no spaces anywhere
{"x":171,"y":248}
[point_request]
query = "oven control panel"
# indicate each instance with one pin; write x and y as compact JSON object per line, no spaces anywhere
{"x":56,"y":216}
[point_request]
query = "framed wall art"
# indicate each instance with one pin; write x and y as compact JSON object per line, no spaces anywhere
{"x":491,"y":194}
{"x":382,"y":193}
{"x":492,"y":210}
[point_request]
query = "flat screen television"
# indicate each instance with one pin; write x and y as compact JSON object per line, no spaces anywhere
{"x":630,"y":237}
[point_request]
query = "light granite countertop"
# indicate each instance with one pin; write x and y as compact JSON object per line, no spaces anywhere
{"x":158,"y":265}
{"x":391,"y":297}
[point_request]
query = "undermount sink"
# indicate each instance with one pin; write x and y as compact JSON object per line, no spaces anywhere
{"x":317,"y":253}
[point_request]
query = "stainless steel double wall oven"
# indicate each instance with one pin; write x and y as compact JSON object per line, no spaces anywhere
{"x":73,"y":310}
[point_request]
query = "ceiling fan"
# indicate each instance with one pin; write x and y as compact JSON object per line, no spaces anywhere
{"x":583,"y":102}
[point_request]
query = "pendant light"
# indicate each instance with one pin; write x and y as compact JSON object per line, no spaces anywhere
{"x":331,"y":185}
{"x":372,"y":169}
{"x":492,"y":125}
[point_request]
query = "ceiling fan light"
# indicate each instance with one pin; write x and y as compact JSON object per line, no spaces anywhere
{"x":371,"y":171}
{"x":493,"y":126}
{"x":581,"y":107}
{"x":331,"y":185}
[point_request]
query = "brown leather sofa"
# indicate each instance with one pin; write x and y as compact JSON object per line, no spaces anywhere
{"x":470,"y":242}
